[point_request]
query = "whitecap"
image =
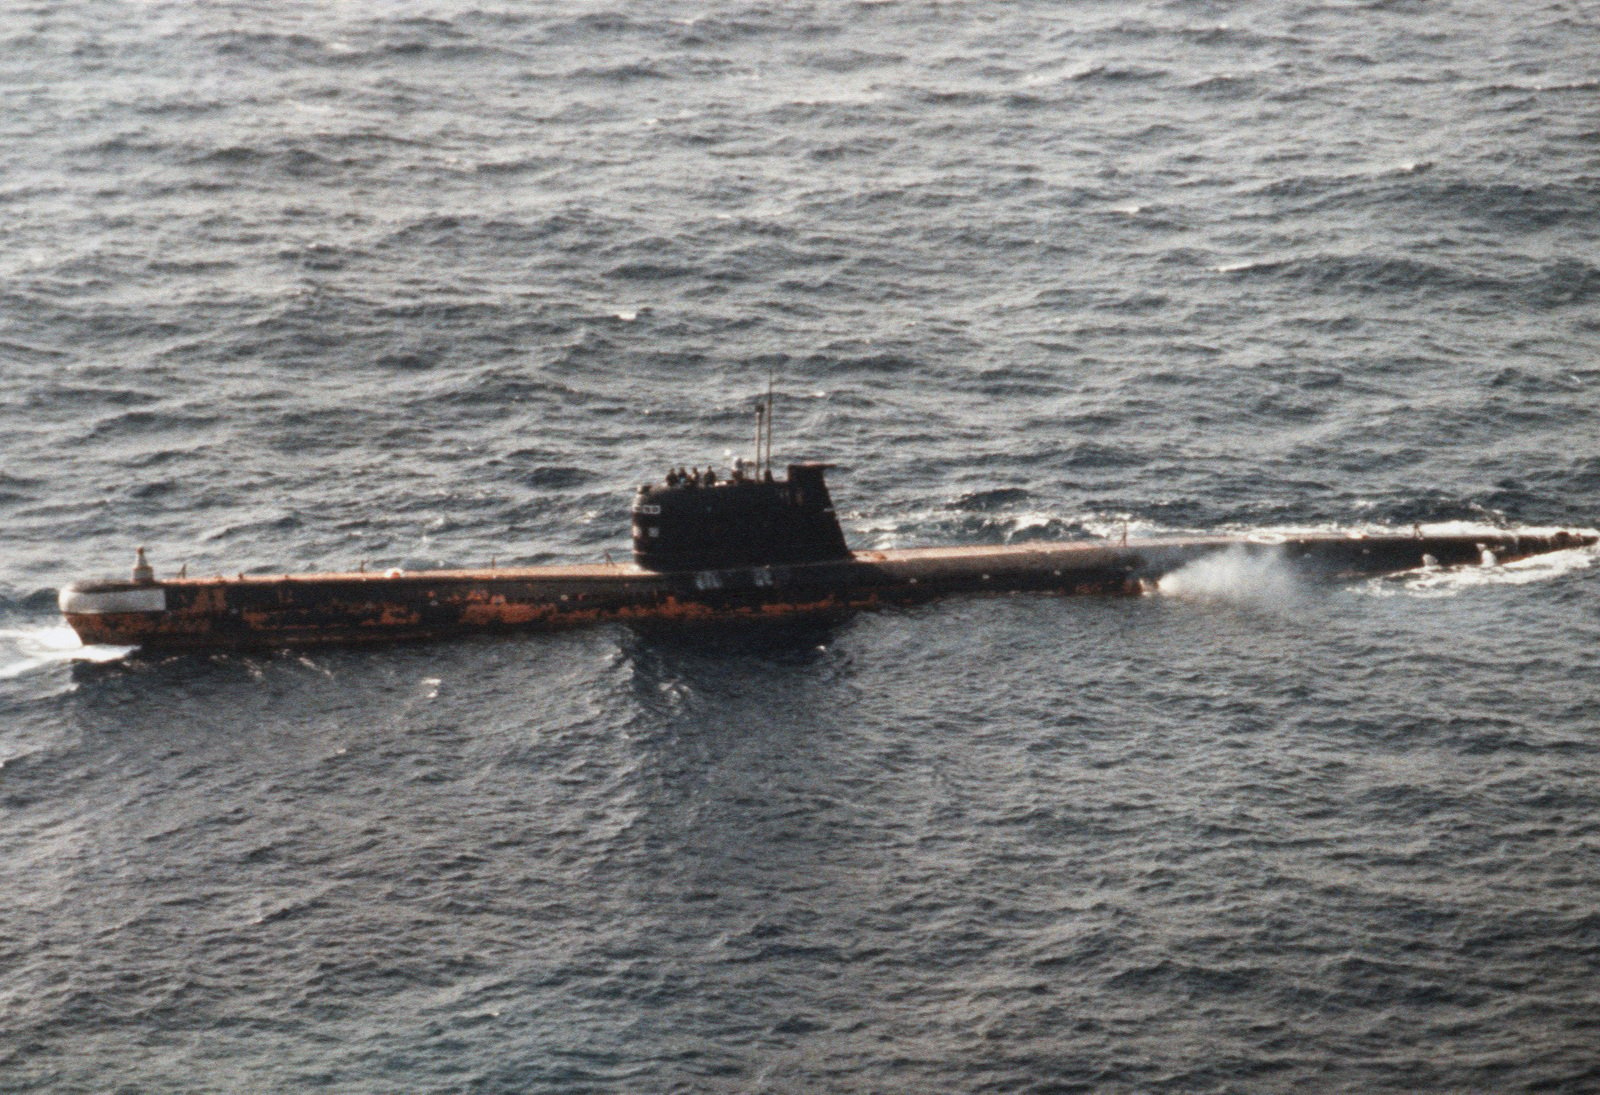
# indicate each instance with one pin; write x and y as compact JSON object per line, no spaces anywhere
{"x":1451,"y":581}
{"x":37,"y":647}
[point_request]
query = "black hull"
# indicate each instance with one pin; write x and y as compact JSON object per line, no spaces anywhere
{"x":304,"y":610}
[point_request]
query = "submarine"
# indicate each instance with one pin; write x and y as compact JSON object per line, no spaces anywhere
{"x":749,"y":546}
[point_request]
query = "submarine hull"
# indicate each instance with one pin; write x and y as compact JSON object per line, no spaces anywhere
{"x":255,"y":612}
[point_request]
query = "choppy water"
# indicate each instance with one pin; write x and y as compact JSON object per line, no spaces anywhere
{"x":292,"y":285}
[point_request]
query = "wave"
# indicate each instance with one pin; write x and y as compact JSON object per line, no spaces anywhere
{"x":1554,"y":283}
{"x":269,"y":47}
{"x":1118,"y":74}
{"x":144,"y":423}
{"x":848,"y":60}
{"x":988,"y":500}
{"x":1421,"y":189}
{"x":26,"y":650}
{"x":1453,"y":581}
{"x":372,"y":43}
{"x":971,"y":519}
{"x":632,"y":72}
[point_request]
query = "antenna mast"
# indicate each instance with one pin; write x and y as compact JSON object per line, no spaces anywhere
{"x":761,"y":415}
{"x":770,"y":374}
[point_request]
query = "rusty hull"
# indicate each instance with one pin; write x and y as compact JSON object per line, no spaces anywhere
{"x":311,"y":609}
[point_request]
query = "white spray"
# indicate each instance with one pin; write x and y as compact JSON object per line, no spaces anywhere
{"x":1258,"y":577}
{"x":36,"y":647}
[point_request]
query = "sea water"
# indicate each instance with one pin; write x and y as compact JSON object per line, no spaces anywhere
{"x":294,"y":286}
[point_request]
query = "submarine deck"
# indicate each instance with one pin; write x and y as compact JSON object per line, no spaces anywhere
{"x":256,"y":610}
{"x":589,"y":572}
{"x":1397,"y":550}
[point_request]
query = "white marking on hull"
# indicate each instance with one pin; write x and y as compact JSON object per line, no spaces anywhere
{"x":76,"y":602}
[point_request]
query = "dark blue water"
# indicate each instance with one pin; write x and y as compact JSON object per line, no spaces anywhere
{"x":290,"y":285}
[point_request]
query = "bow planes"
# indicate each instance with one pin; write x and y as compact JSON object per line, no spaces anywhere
{"x":747,"y":547}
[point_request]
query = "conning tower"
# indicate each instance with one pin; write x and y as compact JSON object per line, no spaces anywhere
{"x":693,"y":521}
